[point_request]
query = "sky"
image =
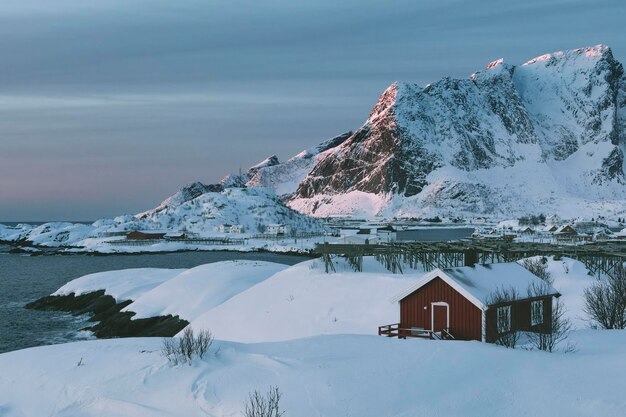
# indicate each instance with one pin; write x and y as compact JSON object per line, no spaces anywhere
{"x":109,"y":106}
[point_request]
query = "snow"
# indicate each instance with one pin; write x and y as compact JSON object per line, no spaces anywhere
{"x":481,"y":281}
{"x":571,"y":277}
{"x":197,"y":217}
{"x":196,"y":290}
{"x":304,"y":301}
{"x":125,"y":284}
{"x":313,"y":335}
{"x":321,"y":376}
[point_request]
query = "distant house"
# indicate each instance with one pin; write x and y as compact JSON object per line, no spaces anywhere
{"x":223,"y":228}
{"x":366,"y":230}
{"x":601,"y":236}
{"x":551,"y":228}
{"x":621,"y":234}
{"x":175,"y":236}
{"x":277,"y":229}
{"x":458,"y":303}
{"x":386,"y":234}
{"x":566,"y":229}
{"x":237,"y":228}
{"x":358,"y":239}
{"x":527,"y":230}
{"x":565,"y":233}
{"x":145,"y":235}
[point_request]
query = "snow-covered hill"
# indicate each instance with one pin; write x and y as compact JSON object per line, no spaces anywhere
{"x":196,"y":209}
{"x":313,"y":335}
{"x":252,"y":208}
{"x":548,"y":135}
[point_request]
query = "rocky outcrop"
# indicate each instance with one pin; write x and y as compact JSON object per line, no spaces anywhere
{"x":109,"y":320}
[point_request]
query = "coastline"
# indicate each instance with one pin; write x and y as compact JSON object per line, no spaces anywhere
{"x":109,"y":321}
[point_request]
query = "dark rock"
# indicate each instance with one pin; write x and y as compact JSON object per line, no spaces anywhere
{"x":110,"y":321}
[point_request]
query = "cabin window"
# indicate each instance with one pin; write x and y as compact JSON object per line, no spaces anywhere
{"x":536,"y":312}
{"x":503,"y":318}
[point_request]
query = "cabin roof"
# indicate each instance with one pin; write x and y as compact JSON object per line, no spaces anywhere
{"x":477,"y":283}
{"x":565,"y":228}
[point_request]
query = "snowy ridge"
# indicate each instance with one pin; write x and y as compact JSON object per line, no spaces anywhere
{"x":250,"y":207}
{"x":546,"y":135}
{"x":284,"y":178}
{"x":187,"y":193}
{"x":197,"y":209}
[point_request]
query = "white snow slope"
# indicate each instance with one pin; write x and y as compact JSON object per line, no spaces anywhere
{"x":125,"y":284}
{"x":199,"y":289}
{"x":342,"y":375}
{"x":292,"y":320}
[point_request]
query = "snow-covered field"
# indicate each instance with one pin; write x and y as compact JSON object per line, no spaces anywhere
{"x":313,"y":335}
{"x":342,"y":375}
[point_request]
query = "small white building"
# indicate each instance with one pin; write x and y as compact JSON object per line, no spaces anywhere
{"x":277,"y":229}
{"x":237,"y":228}
{"x":358,"y":239}
{"x":223,"y":228}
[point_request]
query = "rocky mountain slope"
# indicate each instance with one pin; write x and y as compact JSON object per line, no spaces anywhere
{"x":548,"y":135}
{"x":285,"y":177}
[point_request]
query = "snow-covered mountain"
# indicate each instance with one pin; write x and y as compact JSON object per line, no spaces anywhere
{"x":284,"y":178}
{"x":253,"y":208}
{"x":196,"y":209}
{"x":548,"y":135}
{"x":187,"y":193}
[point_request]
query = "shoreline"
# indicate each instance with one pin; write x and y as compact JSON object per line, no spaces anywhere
{"x":109,"y":321}
{"x":19,"y":249}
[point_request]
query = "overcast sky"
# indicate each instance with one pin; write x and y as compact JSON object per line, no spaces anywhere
{"x":109,"y":106}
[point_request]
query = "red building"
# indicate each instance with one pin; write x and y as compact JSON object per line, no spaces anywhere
{"x":464,"y":304}
{"x":140,"y":235}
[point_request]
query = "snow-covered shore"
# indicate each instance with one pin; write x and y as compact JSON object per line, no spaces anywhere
{"x":313,"y":335}
{"x":341,"y":375}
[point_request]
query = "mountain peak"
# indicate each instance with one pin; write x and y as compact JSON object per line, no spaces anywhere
{"x":592,"y":53}
{"x":267,"y":162}
{"x":495,"y":63}
{"x":556,"y":121}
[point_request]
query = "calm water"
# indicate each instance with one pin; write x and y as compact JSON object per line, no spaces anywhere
{"x":26,"y":278}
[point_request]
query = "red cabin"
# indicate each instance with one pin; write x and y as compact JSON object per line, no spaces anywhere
{"x":464,"y":304}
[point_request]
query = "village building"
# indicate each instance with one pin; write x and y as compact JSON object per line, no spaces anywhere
{"x":551,"y":228}
{"x":620,"y":235}
{"x":602,"y":236}
{"x":237,"y":228}
{"x":358,"y":239}
{"x":461,"y":303}
{"x":277,"y":229}
{"x":565,"y":233}
{"x":175,"y":236}
{"x":386,"y":233}
{"x":223,"y":228}
{"x":145,"y":235}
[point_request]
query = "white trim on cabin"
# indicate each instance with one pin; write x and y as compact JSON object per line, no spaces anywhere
{"x":438,"y":273}
{"x":483,"y":325}
{"x":432,"y":314}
